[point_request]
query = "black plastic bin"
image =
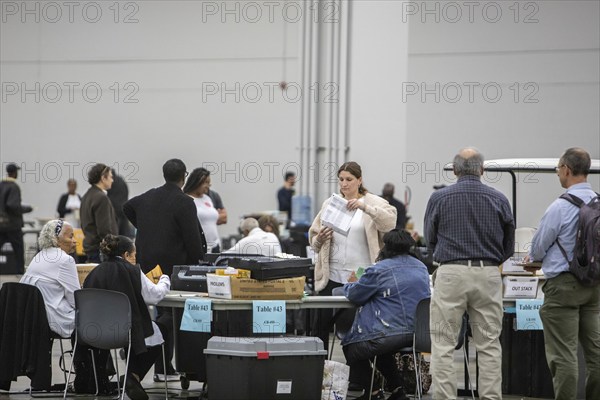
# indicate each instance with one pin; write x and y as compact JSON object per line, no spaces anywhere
{"x":250,"y":368}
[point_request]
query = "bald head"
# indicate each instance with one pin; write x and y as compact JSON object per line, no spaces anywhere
{"x":468,"y":161}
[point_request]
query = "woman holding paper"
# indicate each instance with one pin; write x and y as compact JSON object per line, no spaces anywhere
{"x":120,"y":273}
{"x":341,"y":252}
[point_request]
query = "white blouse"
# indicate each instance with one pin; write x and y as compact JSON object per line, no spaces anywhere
{"x":54,"y":273}
{"x":348,"y":253}
{"x":208,"y":215}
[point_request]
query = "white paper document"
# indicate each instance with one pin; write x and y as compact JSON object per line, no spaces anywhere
{"x":336,"y":216}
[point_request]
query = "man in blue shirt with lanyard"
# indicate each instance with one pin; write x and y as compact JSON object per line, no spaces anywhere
{"x":571,"y":311}
{"x":470,"y":229}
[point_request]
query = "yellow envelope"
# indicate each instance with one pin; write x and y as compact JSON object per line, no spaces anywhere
{"x":155,"y":274}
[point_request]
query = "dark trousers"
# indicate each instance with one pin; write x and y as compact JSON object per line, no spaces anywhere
{"x":164,"y":320}
{"x":359,"y":356}
{"x":15,"y":238}
{"x":321,"y":319}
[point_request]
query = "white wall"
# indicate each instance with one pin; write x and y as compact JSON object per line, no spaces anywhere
{"x":178,"y":47}
{"x":377,"y":128}
{"x":555,"y":65}
{"x":173,"y":51}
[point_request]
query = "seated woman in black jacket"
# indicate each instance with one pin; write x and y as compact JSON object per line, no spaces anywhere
{"x":119,"y":273}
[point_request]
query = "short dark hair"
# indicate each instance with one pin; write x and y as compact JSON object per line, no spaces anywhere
{"x":174,"y":170}
{"x":578,"y":160}
{"x":96,"y":173}
{"x":289,"y":174}
{"x":396,"y":242}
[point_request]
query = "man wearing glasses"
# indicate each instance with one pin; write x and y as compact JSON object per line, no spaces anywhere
{"x":570,"y":310}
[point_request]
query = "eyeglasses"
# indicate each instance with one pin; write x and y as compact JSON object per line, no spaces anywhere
{"x":559,"y":167}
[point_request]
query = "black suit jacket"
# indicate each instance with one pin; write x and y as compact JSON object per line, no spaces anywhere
{"x":169,"y":232}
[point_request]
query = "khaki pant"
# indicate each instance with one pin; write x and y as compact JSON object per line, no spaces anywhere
{"x":571,"y":314}
{"x":478,"y":291}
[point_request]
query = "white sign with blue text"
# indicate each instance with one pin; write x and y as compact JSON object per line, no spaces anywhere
{"x":197,"y":315}
{"x":528,"y":315}
{"x":268,"y":316}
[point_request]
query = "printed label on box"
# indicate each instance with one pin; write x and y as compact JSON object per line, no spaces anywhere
{"x":520,"y":287}
{"x":284,"y":387}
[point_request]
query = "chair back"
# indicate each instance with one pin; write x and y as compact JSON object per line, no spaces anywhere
{"x":422,"y":339}
{"x":102,"y":318}
{"x":25,"y":344}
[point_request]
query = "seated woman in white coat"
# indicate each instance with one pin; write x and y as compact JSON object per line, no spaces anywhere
{"x":54,"y":273}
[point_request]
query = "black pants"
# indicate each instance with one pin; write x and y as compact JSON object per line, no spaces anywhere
{"x":360,"y":354}
{"x":164,"y":320}
{"x":321,"y":319}
{"x":15,"y":238}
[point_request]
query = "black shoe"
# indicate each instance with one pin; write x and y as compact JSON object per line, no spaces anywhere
{"x":134,"y":389}
{"x":375,"y":396}
{"x":398,"y":394}
{"x":354,"y":387}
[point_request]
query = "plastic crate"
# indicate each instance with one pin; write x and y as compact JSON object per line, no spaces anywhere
{"x":250,"y":368}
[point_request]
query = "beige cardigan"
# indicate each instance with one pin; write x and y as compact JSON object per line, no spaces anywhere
{"x":379,"y":217}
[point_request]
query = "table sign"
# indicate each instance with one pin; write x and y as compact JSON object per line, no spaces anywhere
{"x":268,"y":316}
{"x":197,"y":315}
{"x":528,"y":315}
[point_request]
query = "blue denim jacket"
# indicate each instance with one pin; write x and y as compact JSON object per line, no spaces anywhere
{"x":388,"y":294}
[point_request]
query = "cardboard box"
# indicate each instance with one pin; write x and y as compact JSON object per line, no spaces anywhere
{"x":83,"y":270}
{"x":227,"y":287}
{"x":520,"y":287}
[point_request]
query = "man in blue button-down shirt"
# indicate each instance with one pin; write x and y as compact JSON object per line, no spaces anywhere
{"x":570,"y":312}
{"x":470,"y":229}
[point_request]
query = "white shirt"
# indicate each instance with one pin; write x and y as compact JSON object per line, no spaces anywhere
{"x":54,"y":273}
{"x":208,"y":215}
{"x":73,"y":204}
{"x":350,"y":252}
{"x":153,"y":294}
{"x":257,"y":242}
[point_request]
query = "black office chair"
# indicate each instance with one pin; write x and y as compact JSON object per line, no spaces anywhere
{"x":421,"y":339}
{"x":25,"y":337}
{"x":103,"y":321}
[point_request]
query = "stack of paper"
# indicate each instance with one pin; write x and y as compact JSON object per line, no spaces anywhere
{"x":337,"y":216}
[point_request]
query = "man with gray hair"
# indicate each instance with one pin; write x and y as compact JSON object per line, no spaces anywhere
{"x":470,"y":229}
{"x":256,"y":241}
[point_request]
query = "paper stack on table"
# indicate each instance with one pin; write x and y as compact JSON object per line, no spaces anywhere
{"x":337,"y":216}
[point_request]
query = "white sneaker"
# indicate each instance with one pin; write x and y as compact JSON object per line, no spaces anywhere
{"x":169,"y":378}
